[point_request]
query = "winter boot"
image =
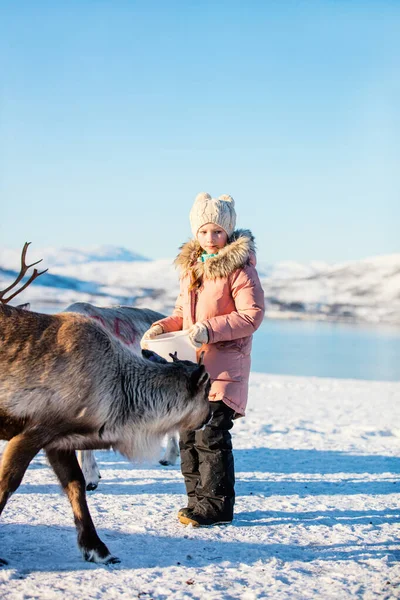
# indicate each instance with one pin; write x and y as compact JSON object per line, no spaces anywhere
{"x":186,"y":511}
{"x":196,"y":520}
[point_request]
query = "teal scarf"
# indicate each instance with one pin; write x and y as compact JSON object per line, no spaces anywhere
{"x":206,"y":256}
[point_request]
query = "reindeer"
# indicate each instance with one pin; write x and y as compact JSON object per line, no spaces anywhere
{"x":67,"y":384}
{"x":128,"y":324}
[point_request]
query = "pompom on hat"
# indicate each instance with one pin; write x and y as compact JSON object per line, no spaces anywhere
{"x":220,"y":211}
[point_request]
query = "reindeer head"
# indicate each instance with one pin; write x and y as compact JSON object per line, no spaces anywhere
{"x":199,"y":385}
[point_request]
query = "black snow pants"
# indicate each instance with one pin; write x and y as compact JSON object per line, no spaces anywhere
{"x":207,"y":465}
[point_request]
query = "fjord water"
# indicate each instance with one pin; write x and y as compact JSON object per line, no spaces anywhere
{"x":323,"y":349}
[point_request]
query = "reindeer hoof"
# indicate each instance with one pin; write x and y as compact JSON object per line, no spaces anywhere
{"x":90,"y":487}
{"x":164,"y":463}
{"x":3,"y":562}
{"x":99,"y":556}
{"x":113,"y":560}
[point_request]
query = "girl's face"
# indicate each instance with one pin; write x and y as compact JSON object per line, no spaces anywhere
{"x":212,"y":238}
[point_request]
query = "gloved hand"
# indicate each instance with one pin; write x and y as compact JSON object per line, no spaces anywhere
{"x":198,"y":335}
{"x":151,"y":333}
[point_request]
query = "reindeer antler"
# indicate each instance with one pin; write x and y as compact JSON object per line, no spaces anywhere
{"x":24,"y":269}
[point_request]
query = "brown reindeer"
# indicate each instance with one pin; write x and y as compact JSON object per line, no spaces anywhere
{"x":67,"y":384}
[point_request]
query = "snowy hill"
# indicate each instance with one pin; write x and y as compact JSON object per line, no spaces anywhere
{"x":361,"y":290}
{"x":365,"y":290}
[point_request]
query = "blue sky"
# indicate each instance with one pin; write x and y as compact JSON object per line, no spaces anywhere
{"x":115,"y":114}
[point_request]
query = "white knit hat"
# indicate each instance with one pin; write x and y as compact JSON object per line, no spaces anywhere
{"x":220,"y":211}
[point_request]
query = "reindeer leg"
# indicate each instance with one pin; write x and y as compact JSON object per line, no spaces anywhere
{"x":19,"y":452}
{"x":89,"y":467}
{"x":68,"y":471}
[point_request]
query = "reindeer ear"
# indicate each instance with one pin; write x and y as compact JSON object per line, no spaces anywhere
{"x":174,"y":357}
{"x":26,"y":306}
{"x":198,"y":379}
{"x":153,"y":357}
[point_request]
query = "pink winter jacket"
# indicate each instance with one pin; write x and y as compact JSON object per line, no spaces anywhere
{"x":230,"y":302}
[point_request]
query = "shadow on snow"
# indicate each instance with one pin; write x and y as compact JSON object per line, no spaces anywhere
{"x":244,"y":487}
{"x":287,"y":460}
{"x":293,"y":466}
{"x":33,"y":548}
{"x":270,"y":460}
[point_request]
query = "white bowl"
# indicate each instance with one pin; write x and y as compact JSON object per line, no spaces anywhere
{"x":169,"y":343}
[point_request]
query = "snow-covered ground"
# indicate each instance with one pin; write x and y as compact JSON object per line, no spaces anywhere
{"x":317,"y":511}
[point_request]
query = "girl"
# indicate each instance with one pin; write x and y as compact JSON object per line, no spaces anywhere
{"x":221,"y":302}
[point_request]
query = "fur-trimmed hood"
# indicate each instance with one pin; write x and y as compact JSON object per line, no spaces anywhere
{"x":239,"y":251}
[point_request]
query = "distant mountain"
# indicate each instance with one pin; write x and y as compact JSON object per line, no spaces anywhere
{"x":360,"y":290}
{"x":290,"y":269}
{"x":366,"y":290}
{"x":10,"y":258}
